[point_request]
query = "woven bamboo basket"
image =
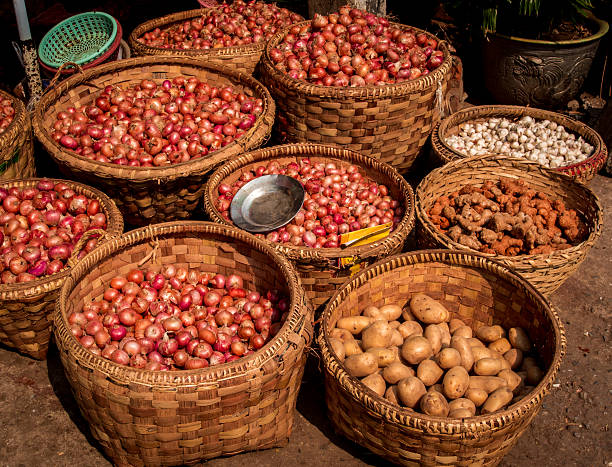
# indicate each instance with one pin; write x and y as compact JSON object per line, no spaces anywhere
{"x":545,"y":271}
{"x":143,"y":417}
{"x":17,"y":144}
{"x":318,"y":268}
{"x":583,"y":171}
{"x":242,"y":58}
{"x":478,"y":291}
{"x":26,"y":309}
{"x":390,"y":123}
{"x":154,"y":194}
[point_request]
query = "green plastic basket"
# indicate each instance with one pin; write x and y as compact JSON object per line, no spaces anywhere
{"x":79,"y":39}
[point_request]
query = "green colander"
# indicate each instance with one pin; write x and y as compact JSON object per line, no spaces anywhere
{"x":79,"y":39}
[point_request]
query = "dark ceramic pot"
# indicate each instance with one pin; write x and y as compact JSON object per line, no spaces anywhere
{"x":538,"y":73}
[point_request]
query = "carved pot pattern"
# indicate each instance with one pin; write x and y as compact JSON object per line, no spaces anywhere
{"x":538,"y":73}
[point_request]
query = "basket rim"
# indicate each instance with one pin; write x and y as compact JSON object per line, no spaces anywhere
{"x":300,"y":310}
{"x":166,"y":172}
{"x":438,"y":135}
{"x":324,"y":151}
{"x":401,"y":89}
{"x":530,"y":169}
{"x":12,"y":131}
{"x":392,"y":413}
{"x":68,"y":21}
{"x":114,"y":228}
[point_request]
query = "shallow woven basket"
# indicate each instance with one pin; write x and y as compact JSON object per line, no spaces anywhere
{"x":154,"y":194}
{"x":478,"y":291}
{"x":143,"y":417}
{"x":390,"y":123}
{"x":242,"y":58}
{"x":583,"y":171}
{"x":26,"y":308}
{"x":17,"y":144}
{"x":318,"y":268}
{"x":545,"y":272}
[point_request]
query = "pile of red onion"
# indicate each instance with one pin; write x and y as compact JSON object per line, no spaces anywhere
{"x":156,"y":124}
{"x":7,"y":113}
{"x":338,"y":199}
{"x":240,"y":23}
{"x":178,"y":318}
{"x":40,"y":226}
{"x":355,"y":48}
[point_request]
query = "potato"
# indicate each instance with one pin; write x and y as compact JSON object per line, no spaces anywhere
{"x":514,"y":358}
{"x":448,"y":358}
{"x":446,"y":335}
{"x":462,"y":346}
{"x":463,"y":331}
{"x":519,"y":339}
{"x":407,"y":314}
{"x":391,"y":395}
{"x":410,"y":328}
{"x":512,"y":379}
{"x":455,"y":382}
{"x":384,"y":355}
{"x":351,"y":348}
{"x":429,"y":372}
{"x":396,"y":338}
{"x":372,"y":312}
{"x":504,"y":364}
{"x":435,"y":404}
{"x":481,"y":352}
{"x":487,"y":383}
{"x":354,"y":324}
{"x":500,"y":345}
{"x":376,"y":383}
{"x":497,"y":400}
{"x":454,"y":324}
{"x":462,"y":404}
{"x":394,"y":324}
{"x":378,"y":334}
{"x":487,"y":366}
{"x":427,"y":310}
{"x":434,"y":335}
{"x":362,"y":364}
{"x":489,"y":333}
{"x":477,"y":396}
{"x":475,"y":342}
{"x":416,"y":349}
{"x":436,"y":387}
{"x":534,"y":375}
{"x":341,"y":334}
{"x":337,"y":347}
{"x":396,"y":371}
{"x":460,"y":413}
{"x":529,"y":361}
{"x":390,"y":312}
{"x":410,"y":391}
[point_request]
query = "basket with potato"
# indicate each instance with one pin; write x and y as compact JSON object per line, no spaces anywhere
{"x":438,"y":357}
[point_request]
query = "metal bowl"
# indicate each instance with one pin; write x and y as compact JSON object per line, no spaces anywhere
{"x":267,"y":203}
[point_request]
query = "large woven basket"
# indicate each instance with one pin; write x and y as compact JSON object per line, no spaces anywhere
{"x":143,"y":417}
{"x":545,"y":271}
{"x":154,"y":194}
{"x":583,"y":171}
{"x":478,"y":291}
{"x":390,"y":123}
{"x":318,"y":268}
{"x":242,"y":58}
{"x":17,"y":144}
{"x":26,"y":308}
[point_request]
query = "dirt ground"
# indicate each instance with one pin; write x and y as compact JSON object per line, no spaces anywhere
{"x":40,"y":424}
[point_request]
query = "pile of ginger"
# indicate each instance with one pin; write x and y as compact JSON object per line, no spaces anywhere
{"x":507,"y":218}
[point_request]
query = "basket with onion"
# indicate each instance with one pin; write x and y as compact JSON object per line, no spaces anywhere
{"x":48,"y":225}
{"x":345,"y":192}
{"x":184,"y":341}
{"x":359,"y":81}
{"x":146,"y":130}
{"x":233,"y":35}
{"x":16,"y":144}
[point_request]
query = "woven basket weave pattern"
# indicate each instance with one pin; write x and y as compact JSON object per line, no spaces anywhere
{"x":390,"y":123}
{"x":474,"y":289}
{"x":545,"y":272}
{"x":169,"y":418}
{"x":583,"y":171}
{"x":318,"y":268}
{"x":26,"y":309}
{"x":16,"y":144}
{"x":155,"y":194}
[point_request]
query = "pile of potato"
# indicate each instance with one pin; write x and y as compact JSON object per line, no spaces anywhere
{"x":419,"y":358}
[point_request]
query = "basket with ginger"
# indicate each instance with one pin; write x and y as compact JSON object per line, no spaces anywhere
{"x":507,"y":218}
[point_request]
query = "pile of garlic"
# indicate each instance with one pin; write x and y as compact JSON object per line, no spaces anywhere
{"x":541,"y":141}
